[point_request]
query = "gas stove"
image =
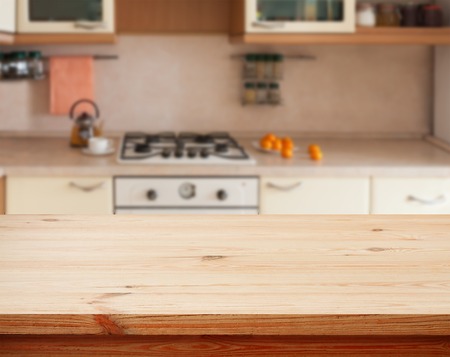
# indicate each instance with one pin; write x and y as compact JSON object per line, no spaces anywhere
{"x":216,"y":148}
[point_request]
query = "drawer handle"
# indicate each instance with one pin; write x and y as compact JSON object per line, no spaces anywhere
{"x":88,"y":25}
{"x":284,"y":188}
{"x":269,"y":25}
{"x":440,"y":200}
{"x":87,"y":188}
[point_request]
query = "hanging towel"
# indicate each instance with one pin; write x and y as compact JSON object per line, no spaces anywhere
{"x":71,"y":79}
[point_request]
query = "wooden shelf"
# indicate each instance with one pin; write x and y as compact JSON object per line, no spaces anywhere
{"x":49,"y":39}
{"x":362,"y":36}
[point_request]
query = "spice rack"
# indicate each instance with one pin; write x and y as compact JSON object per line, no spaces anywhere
{"x":261,"y":77}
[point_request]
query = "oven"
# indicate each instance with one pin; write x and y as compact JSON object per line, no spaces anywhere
{"x":186,"y":195}
{"x":66,"y":16}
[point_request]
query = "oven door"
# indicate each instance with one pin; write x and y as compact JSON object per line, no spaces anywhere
{"x":66,"y":16}
{"x":202,"y":211}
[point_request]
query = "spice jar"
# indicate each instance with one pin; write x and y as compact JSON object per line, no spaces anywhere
{"x":410,"y":15}
{"x":1,"y":65}
{"x":388,"y":15}
{"x":366,"y":14}
{"x":274,"y":94}
{"x":35,"y":65}
{"x":260,"y":66}
{"x":249,"y":93}
{"x":432,"y":16}
{"x":250,"y":66}
{"x":261,"y":93}
{"x":278,"y":66}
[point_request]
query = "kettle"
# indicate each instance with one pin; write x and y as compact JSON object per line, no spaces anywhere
{"x":85,"y":125}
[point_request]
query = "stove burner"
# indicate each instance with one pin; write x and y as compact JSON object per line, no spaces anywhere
{"x":185,"y":147}
{"x":142,"y":148}
{"x":204,"y":139}
{"x":166,"y":153}
{"x":151,"y":139}
{"x":221,"y":148}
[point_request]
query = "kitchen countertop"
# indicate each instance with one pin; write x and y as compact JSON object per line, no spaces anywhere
{"x":342,"y":157}
{"x":216,"y":276}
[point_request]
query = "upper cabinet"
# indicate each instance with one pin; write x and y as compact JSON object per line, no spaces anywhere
{"x":56,"y":21}
{"x":322,"y":22}
{"x":8,"y":16}
{"x":298,"y":16}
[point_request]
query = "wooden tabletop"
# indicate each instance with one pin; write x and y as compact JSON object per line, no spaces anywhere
{"x":225,"y":274}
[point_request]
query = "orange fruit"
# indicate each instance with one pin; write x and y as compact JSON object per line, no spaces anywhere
{"x":313,"y":148}
{"x":270,"y":137}
{"x":288,"y":143}
{"x":287,"y":153}
{"x":266,"y":144}
{"x":277,"y":145}
{"x":316,"y":155}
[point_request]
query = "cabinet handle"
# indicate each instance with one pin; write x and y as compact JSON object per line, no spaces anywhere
{"x":269,"y":25}
{"x":440,"y":200}
{"x":89,"y":25}
{"x":284,"y":188}
{"x":87,"y":188}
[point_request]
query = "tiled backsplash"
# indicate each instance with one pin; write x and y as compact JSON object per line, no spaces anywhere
{"x":191,"y":83}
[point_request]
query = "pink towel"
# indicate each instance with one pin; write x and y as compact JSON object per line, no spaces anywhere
{"x":71,"y":79}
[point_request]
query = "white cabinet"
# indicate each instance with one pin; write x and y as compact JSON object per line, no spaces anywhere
{"x":315,"y":196}
{"x":410,"y":196}
{"x":7,"y":15}
{"x":298,"y":16}
{"x":59,"y":195}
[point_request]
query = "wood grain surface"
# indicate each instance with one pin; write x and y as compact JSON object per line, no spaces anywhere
{"x":209,"y":346}
{"x":169,"y":16}
{"x":259,"y":275}
{"x":2,"y":195}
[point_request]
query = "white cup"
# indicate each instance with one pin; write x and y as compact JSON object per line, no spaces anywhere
{"x":99,"y":145}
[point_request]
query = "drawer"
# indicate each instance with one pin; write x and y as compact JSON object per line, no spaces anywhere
{"x":60,"y":195}
{"x":315,"y":195}
{"x":411,"y":196}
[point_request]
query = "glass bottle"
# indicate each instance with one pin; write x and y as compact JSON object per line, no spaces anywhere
{"x":278,"y":66}
{"x":20,"y":63}
{"x":388,"y":15}
{"x":249,"y":93}
{"x":261,"y":93}
{"x":268,"y":66}
{"x":250,"y":66}
{"x":260,"y":66}
{"x":274,"y":93}
{"x":1,"y":65}
{"x":35,"y":65}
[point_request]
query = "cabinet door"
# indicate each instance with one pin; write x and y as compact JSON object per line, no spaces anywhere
{"x":299,"y":16}
{"x":411,"y":196}
{"x":8,"y":15}
{"x":60,"y":195}
{"x":315,"y":196}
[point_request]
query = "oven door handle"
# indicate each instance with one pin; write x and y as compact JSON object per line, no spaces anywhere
{"x":287,"y":188}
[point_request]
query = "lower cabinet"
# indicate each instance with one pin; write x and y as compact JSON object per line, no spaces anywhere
{"x":59,"y":195}
{"x":314,"y":195}
{"x":410,"y":196}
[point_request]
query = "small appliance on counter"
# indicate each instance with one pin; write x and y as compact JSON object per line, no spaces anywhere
{"x":85,"y":125}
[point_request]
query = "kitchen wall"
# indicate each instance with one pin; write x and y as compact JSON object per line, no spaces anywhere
{"x":190,"y":82}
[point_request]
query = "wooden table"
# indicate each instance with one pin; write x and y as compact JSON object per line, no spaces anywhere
{"x":228,"y":286}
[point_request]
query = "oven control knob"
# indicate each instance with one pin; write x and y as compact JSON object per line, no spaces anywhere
{"x":166,"y":153}
{"x":204,"y":153}
{"x":152,"y":195}
{"x":179,"y":154}
{"x":222,"y":195}
{"x":187,"y":191}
